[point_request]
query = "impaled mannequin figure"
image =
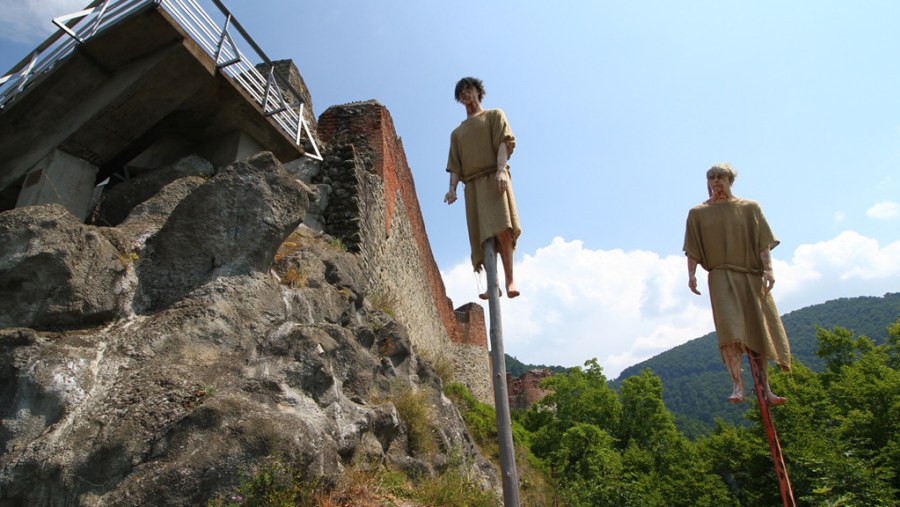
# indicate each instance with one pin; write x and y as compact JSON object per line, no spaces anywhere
{"x":479,"y":150}
{"x":731,"y":239}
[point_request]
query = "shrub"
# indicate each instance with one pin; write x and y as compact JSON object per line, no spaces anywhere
{"x":271,"y":483}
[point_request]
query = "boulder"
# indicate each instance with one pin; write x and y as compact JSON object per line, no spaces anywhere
{"x":231,"y":225}
{"x":54,"y":270}
{"x":118,"y":201}
{"x":149,"y":216}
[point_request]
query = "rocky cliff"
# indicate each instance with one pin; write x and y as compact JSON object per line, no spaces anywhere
{"x":155,"y":361}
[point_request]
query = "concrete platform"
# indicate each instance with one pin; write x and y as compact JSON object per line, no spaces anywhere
{"x":136,"y":86}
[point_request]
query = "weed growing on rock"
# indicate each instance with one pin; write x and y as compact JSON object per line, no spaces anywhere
{"x":415,"y":410}
{"x":337,"y":244}
{"x":295,"y":242}
{"x":128,"y":258}
{"x":480,"y":419}
{"x":443,"y":365}
{"x":453,"y":488}
{"x":388,"y":347}
{"x":204,"y":391}
{"x":274,"y":483}
{"x":384,"y":301}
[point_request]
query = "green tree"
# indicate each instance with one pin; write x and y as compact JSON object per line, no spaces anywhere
{"x":740,"y":457}
{"x":644,"y":415}
{"x":579,"y":396}
{"x":840,"y":433}
{"x":673,"y":469}
{"x":839,"y":430}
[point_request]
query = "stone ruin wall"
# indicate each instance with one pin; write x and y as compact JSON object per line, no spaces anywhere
{"x":524,"y":390}
{"x":473,"y":365}
{"x":374,"y":209}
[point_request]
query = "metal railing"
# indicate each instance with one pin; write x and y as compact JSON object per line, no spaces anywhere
{"x":269,"y":91}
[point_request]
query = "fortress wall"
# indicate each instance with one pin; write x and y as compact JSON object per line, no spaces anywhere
{"x":375,"y":211}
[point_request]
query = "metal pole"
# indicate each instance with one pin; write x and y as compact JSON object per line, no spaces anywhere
{"x":784,"y":482}
{"x":498,"y":367}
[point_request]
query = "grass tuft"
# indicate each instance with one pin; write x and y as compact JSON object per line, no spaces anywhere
{"x":337,"y":244}
{"x":415,"y":410}
{"x":384,"y":301}
{"x":295,"y":277}
{"x":443,"y":365}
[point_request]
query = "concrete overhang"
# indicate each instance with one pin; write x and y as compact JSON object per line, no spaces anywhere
{"x":136,"y":82}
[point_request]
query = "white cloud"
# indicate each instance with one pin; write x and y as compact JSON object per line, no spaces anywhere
{"x":30,"y":21}
{"x":840,"y":216}
{"x":578,"y":303}
{"x":624,"y":307}
{"x":851,"y":255}
{"x":884,"y":210}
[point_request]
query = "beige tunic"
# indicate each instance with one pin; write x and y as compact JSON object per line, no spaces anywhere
{"x":726,"y":238}
{"x":473,"y":157}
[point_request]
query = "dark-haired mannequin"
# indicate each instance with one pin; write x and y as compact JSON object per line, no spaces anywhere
{"x":479,"y":150}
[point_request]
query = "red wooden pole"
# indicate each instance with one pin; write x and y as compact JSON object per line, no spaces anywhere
{"x":784,"y":482}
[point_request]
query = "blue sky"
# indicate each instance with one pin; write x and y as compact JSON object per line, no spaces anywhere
{"x":619,"y":108}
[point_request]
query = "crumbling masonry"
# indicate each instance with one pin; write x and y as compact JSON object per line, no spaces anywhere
{"x":373,"y":208}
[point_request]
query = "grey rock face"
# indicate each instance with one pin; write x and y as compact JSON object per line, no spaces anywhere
{"x":231,"y":225}
{"x":149,"y":216}
{"x":174,"y":405}
{"x":55,"y":271}
{"x":171,"y":408}
{"x":308,"y":170}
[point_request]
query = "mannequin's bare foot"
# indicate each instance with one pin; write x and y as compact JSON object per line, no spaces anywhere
{"x":736,"y":398}
{"x":484,"y":295}
{"x":737,"y":394}
{"x":512,"y":291}
{"x":774,"y":400}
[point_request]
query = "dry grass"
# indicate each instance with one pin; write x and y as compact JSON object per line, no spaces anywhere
{"x":277,"y":484}
{"x":384,"y":301}
{"x":295,"y":242}
{"x":294,"y":277}
{"x":443,"y":365}
{"x":415,"y":410}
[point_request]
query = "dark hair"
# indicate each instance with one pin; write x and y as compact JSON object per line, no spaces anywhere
{"x":466,"y":82}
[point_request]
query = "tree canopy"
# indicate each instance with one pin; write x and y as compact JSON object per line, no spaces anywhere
{"x":839,"y":431}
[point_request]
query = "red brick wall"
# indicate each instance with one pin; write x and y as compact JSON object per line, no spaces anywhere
{"x":470,"y":325}
{"x":371,"y":124}
{"x":524,"y":391}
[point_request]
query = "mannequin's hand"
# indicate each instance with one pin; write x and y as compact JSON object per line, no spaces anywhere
{"x":501,"y":180}
{"x":769,"y":279}
{"x":692,"y":284}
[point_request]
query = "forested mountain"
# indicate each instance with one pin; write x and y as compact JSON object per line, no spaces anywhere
{"x":696,"y":383}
